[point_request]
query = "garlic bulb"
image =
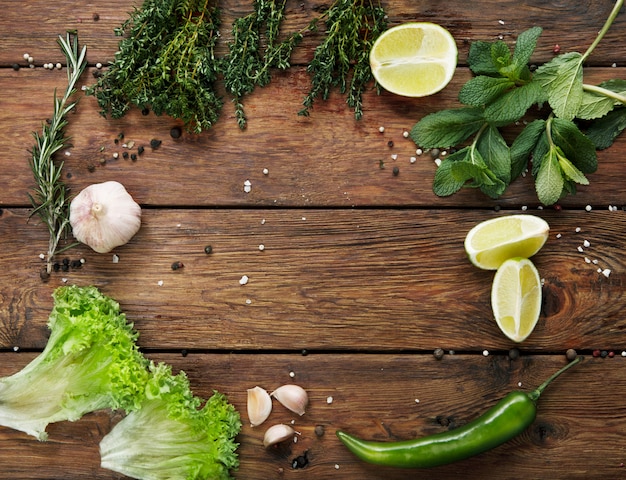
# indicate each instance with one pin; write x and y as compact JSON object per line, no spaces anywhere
{"x":293,"y":397}
{"x":277,"y":434}
{"x":259,"y":405}
{"x":104,"y":216}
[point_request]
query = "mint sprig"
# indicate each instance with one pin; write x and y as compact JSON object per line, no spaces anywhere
{"x":501,"y":92}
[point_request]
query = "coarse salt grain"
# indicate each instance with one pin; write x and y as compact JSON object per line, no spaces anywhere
{"x":413,"y":160}
{"x":419,"y":151}
{"x":586,"y":244}
{"x":405,"y":134}
{"x":558,"y":235}
{"x":485,"y":353}
{"x":42,"y":256}
{"x":116,"y":259}
{"x":580,"y":249}
{"x":292,"y":374}
{"x":381,"y":129}
{"x":261,"y":247}
{"x":578,"y":229}
{"x":437,"y":161}
{"x":606,"y":272}
{"x":329,"y":400}
{"x":588,"y":208}
{"x":266,"y":171}
{"x":524,"y":208}
{"x":394,"y":156}
{"x":587,"y":260}
{"x":243,"y":280}
{"x":160,"y":283}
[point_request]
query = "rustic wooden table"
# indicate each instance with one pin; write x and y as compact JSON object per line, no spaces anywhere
{"x":363,"y":274}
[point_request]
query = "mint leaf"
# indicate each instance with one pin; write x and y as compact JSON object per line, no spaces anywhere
{"x":605,"y":130}
{"x":447,"y":128}
{"x":445,"y":182}
{"x":570,"y":172}
{"x":495,"y":153}
{"x":549,"y":181}
{"x":512,"y":106}
{"x":594,"y":105}
{"x":524,"y":48}
{"x":575,"y":145}
{"x":482,"y":90}
{"x":562,"y":77}
{"x":500,"y":55}
{"x":479,"y":59}
{"x":539,"y":153}
{"x":523,"y":146}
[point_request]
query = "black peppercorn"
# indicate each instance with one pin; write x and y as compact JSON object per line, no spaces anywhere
{"x":140,"y":150}
{"x":177,"y":265}
{"x":133,"y":156}
{"x":176,"y":132}
{"x":125,"y":155}
{"x":145,"y":111}
{"x":208,"y":249}
{"x":154,"y":143}
{"x":396,"y":171}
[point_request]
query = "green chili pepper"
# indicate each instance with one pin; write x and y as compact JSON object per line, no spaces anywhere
{"x":505,"y":420}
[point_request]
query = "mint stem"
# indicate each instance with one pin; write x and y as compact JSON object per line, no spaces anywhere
{"x":605,"y":92}
{"x":605,"y":28}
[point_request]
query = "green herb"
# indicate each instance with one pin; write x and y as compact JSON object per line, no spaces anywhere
{"x":50,"y":199}
{"x":174,"y":434}
{"x":166,"y":63}
{"x":256,"y":48}
{"x":91,"y":362}
{"x":342,"y":59}
{"x":501,"y":92}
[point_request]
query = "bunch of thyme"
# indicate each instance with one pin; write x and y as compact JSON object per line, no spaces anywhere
{"x":166,"y":63}
{"x":256,"y":48}
{"x":342,"y":59}
{"x":50,"y":199}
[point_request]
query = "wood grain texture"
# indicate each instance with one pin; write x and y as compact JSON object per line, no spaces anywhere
{"x":577,"y":433}
{"x":363,"y":273}
{"x":346,"y":279}
{"x":327,"y":159}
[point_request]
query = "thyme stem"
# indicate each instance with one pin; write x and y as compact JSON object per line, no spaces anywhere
{"x":50,"y":198}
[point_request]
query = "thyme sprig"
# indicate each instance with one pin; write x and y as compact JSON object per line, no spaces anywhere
{"x":166,"y":63}
{"x":342,"y":59}
{"x":255,"y":50}
{"x":50,"y":198}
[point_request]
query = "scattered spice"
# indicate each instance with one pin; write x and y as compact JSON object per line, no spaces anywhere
{"x":208,"y":249}
{"x":177,"y":265}
{"x":154,"y":143}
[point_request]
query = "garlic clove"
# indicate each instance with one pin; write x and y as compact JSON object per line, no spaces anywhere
{"x":104,"y":216}
{"x":277,"y":434}
{"x":292,"y":397}
{"x":259,"y":405}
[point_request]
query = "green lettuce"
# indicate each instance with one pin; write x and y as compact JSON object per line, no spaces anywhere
{"x":91,"y":362}
{"x":173,"y":435}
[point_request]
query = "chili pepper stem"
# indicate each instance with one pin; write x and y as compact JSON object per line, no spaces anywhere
{"x":534,"y":395}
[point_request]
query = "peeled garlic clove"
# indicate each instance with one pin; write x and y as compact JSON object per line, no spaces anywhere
{"x":292,"y":397}
{"x":104,"y":216}
{"x":277,"y":434}
{"x":259,"y":405}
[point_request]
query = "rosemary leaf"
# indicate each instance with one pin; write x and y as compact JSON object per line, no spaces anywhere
{"x":50,"y":198}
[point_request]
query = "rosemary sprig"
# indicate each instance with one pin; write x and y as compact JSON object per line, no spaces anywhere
{"x":166,"y":63}
{"x":50,"y":198}
{"x":342,"y":59}
{"x":255,"y":49}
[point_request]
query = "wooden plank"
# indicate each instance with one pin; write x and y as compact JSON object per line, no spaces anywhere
{"x":343,"y":279}
{"x":327,"y":159}
{"x":572,"y":25}
{"x":577,"y":434}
